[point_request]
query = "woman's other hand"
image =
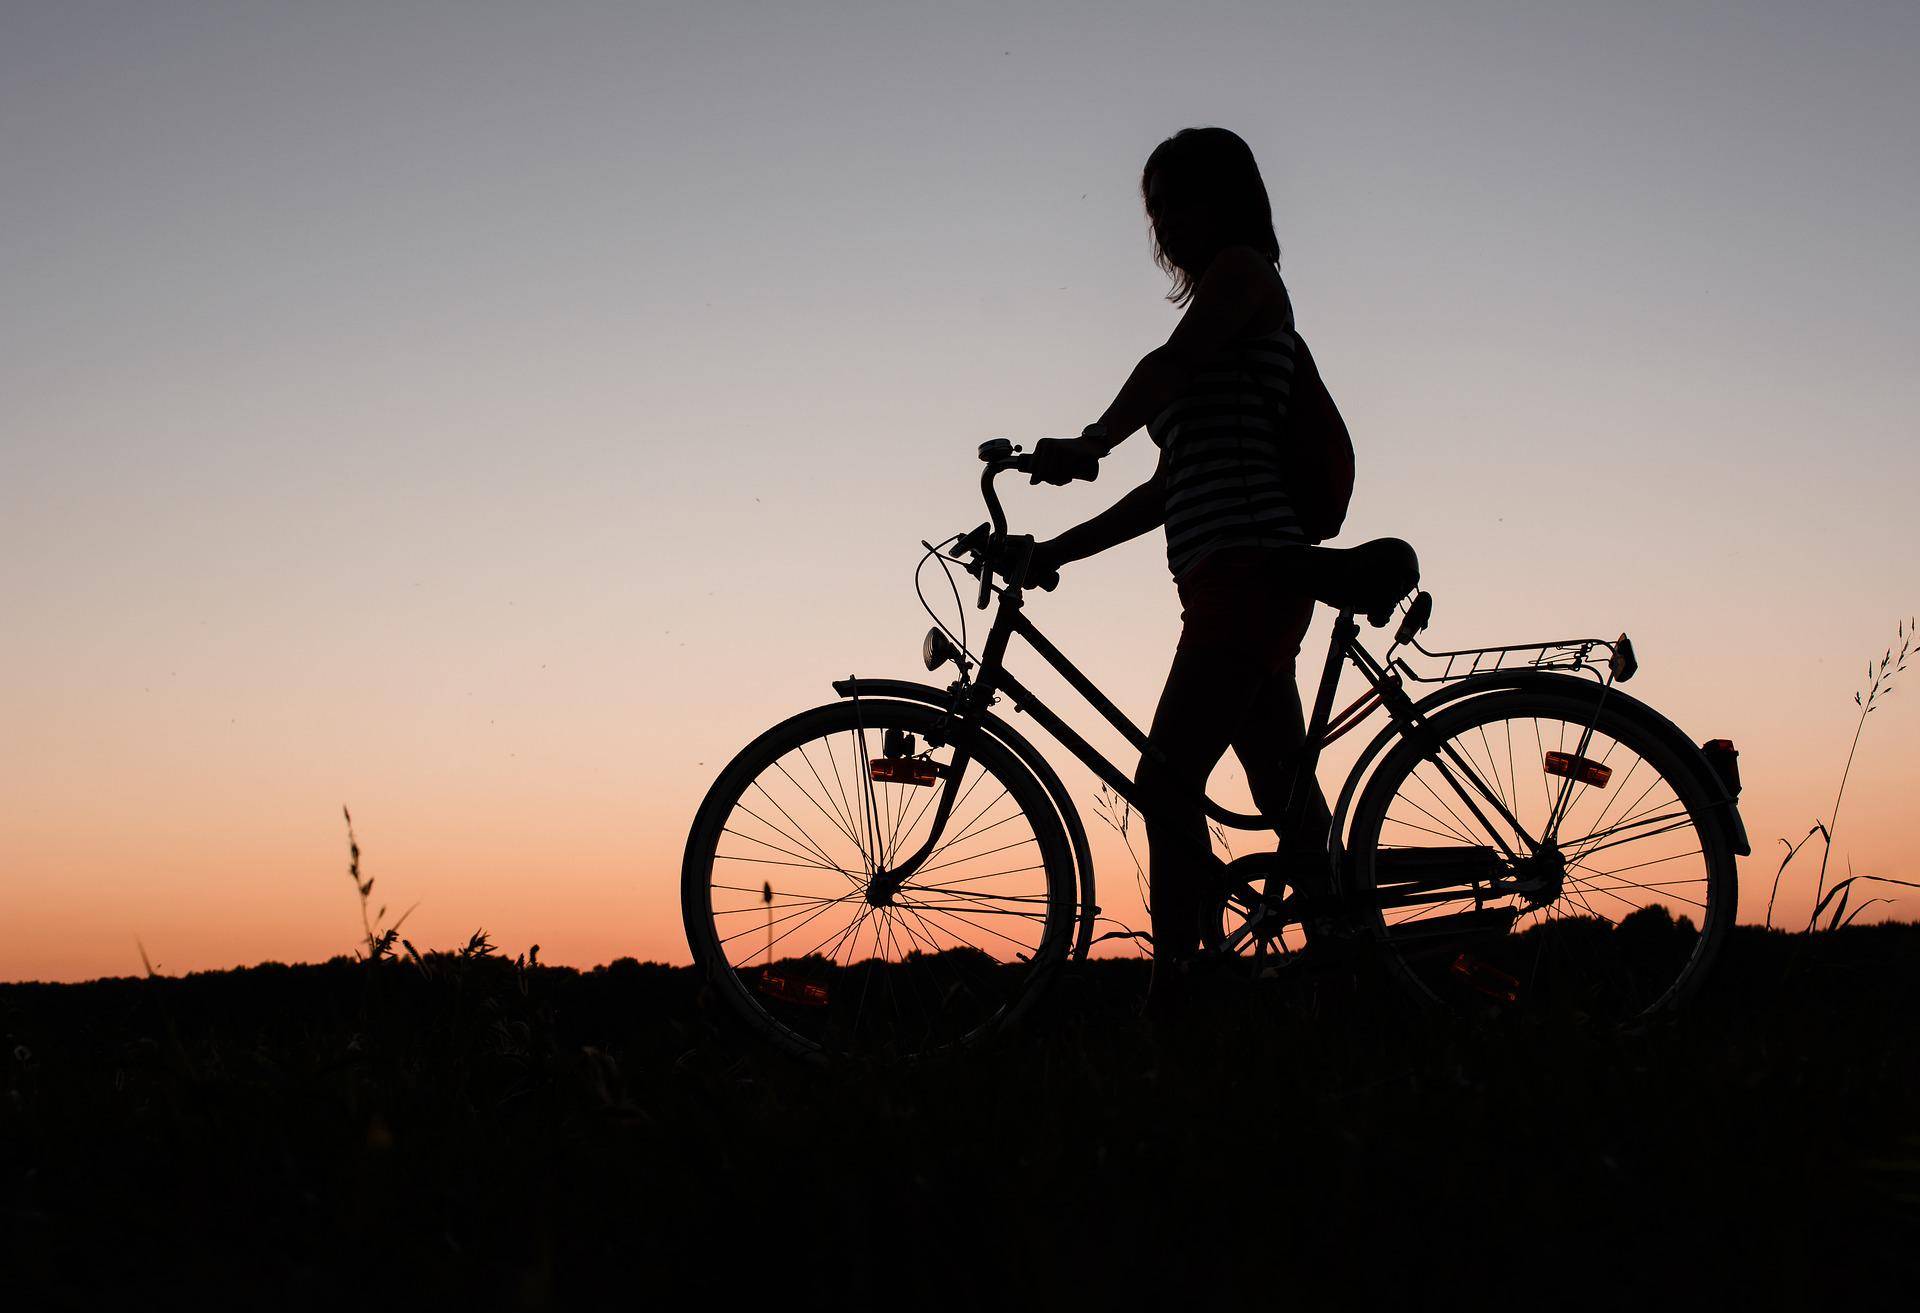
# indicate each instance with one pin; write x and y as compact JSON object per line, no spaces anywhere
{"x":1043,"y":567}
{"x":1060,"y":461}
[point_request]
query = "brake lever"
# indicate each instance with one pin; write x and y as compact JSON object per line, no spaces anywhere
{"x":974,"y":540}
{"x":978,"y":544}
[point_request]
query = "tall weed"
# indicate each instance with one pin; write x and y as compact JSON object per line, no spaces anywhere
{"x":1879,"y":684}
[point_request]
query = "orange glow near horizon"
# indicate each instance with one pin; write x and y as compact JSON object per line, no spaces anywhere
{"x":570,"y":837}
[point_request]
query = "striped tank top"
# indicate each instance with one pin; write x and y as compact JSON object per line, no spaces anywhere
{"x":1221,"y":437}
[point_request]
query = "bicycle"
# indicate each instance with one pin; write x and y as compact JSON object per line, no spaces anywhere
{"x":846,"y":901}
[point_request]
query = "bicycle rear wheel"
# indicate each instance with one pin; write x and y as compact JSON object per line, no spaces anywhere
{"x":1543,"y":848}
{"x":778,"y":884}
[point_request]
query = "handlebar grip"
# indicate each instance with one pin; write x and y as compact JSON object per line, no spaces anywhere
{"x":1088,"y":469}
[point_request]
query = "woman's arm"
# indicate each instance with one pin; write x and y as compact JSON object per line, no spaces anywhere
{"x":1236,"y":284}
{"x":1140,"y":511}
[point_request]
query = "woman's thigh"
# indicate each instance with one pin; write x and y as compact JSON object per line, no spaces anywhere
{"x":1231,"y":682}
{"x":1208,"y":692}
{"x":1266,"y":738}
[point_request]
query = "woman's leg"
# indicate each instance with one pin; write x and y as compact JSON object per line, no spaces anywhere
{"x":1268,"y":743}
{"x":1231,"y":683}
{"x":1267,"y":740}
{"x":1208,"y":692}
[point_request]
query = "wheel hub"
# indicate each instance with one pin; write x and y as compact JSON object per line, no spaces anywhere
{"x":1541,"y":878}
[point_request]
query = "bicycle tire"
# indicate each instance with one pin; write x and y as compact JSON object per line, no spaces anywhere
{"x":1588,"y":954}
{"x":937,"y":974}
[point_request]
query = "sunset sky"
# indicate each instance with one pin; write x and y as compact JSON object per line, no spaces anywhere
{"x":489,"y":417}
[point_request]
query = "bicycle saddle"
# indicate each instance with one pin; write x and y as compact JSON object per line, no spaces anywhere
{"x":1367,"y":579}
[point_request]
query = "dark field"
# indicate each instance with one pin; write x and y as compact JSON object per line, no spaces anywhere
{"x":498,"y":1137}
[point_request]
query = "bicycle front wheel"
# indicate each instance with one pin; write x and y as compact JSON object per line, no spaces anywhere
{"x":788,"y":904}
{"x":1546,"y":849}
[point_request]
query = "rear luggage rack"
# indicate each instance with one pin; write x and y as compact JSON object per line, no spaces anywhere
{"x":1569,"y":654}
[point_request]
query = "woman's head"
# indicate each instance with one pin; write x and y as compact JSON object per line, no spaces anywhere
{"x":1203,"y":193}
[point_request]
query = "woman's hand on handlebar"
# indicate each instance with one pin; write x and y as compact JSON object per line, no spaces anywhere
{"x":1043,"y":566}
{"x":1060,"y":461}
{"x":980,"y":553}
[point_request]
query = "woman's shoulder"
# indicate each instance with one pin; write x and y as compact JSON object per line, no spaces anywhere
{"x":1275,"y":311}
{"x":1242,"y":255}
{"x":1272,"y":322}
{"x":1240,"y":261}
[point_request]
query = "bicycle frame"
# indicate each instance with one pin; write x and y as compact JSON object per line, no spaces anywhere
{"x":970,"y":696}
{"x":1383,"y":690}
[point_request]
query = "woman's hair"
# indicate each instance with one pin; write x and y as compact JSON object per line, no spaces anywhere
{"x":1211,"y":170}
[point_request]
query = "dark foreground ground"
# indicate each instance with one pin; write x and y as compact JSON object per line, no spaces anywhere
{"x":305,"y":1136}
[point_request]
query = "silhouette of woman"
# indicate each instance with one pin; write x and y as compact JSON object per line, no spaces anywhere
{"x":1214,"y":400}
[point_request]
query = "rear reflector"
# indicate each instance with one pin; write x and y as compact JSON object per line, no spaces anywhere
{"x":785,"y":989}
{"x":1487,"y":979}
{"x":1578,"y":768}
{"x":904,"y":770}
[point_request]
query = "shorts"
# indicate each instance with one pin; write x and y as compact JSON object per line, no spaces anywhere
{"x":1244,"y":599}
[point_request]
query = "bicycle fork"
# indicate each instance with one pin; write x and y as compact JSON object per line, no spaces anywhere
{"x":883,"y":881}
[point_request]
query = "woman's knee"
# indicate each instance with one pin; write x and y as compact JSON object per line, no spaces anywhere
{"x":1153,"y":774}
{"x":1169,"y":789}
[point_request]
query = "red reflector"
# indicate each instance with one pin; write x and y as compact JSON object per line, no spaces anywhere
{"x":904,"y":770}
{"x":1578,"y":768}
{"x":1489,"y":980}
{"x":785,"y":989}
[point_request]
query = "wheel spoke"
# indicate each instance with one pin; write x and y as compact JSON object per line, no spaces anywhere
{"x":970,"y":879}
{"x":802,"y":842}
{"x":1685,"y":823}
{"x":1619,"y":793}
{"x":768,"y":861}
{"x":831,"y":818}
{"x":1458,"y":834}
{"x":781,"y":920}
{"x":955,"y":861}
{"x":1632,"y":813}
{"x":946,"y":914}
{"x":801,"y":858}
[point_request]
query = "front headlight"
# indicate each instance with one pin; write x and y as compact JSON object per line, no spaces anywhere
{"x":936,"y":649}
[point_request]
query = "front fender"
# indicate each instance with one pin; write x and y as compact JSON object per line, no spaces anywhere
{"x":1021,"y":747}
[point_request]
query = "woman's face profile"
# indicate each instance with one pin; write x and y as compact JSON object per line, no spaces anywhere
{"x":1176,"y":220}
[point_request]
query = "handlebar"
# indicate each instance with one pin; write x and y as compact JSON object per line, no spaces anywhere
{"x":1002,"y":553}
{"x":1000,"y":455}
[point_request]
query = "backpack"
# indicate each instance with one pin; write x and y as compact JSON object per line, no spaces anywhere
{"x":1318,"y":457}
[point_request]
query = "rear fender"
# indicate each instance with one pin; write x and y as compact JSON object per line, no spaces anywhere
{"x":1021,"y":747}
